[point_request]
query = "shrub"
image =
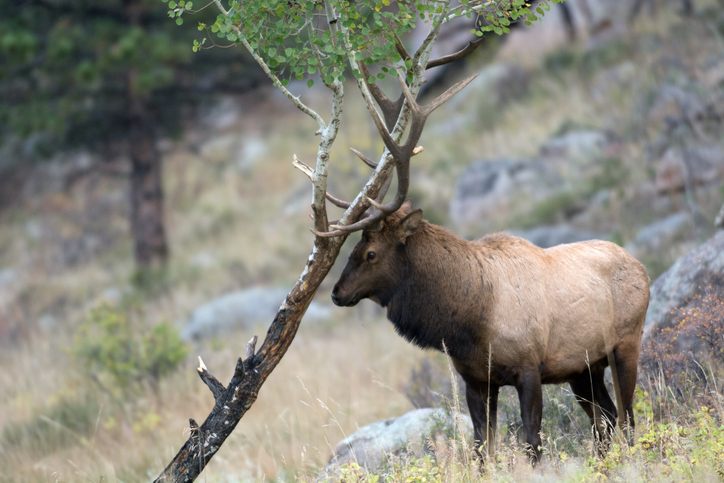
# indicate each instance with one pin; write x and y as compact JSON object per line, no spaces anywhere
{"x":691,"y":347}
{"x":120,"y":352}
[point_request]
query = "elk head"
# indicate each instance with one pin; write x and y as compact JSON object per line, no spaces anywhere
{"x":377,"y":263}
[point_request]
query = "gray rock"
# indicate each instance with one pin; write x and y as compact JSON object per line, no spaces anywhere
{"x":243,"y":309}
{"x":576,"y":153}
{"x":487,"y":189}
{"x":672,"y":103}
{"x":8,"y":278}
{"x":691,"y":275}
{"x":719,"y":221}
{"x":661,"y":234}
{"x":372,"y":445}
{"x":550,"y":236}
{"x":707,"y":166}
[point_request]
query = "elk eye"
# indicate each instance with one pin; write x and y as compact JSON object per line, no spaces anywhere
{"x":371,"y":256}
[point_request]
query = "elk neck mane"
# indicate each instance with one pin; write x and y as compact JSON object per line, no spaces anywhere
{"x":445,"y":291}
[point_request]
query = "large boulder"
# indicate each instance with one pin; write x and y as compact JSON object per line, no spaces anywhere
{"x":552,"y":235}
{"x":693,"y":274}
{"x":371,"y":446}
{"x":489,"y":189}
{"x":576,"y":151}
{"x":243,"y":309}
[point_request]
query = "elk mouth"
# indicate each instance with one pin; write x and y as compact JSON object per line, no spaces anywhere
{"x":340,"y":302}
{"x":345,"y":301}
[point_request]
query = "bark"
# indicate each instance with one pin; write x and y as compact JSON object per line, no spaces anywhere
{"x":147,"y":220}
{"x":234,"y":400}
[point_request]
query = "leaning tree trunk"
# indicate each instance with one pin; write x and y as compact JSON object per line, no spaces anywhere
{"x":147,"y":221}
{"x":234,"y":400}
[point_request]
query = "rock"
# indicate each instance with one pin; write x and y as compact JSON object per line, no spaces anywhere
{"x":8,"y":278}
{"x":370,"y":446}
{"x":707,"y":164}
{"x":550,"y":236}
{"x":223,"y":115}
{"x":243,"y":309}
{"x":691,"y":275}
{"x":719,"y":221}
{"x":252,"y":151}
{"x":672,"y":105}
{"x":661,"y":234}
{"x":576,"y":153}
{"x":488,"y":189}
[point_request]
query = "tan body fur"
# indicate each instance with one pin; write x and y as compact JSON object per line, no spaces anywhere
{"x":539,"y":316}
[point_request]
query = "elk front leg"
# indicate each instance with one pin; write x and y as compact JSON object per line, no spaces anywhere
{"x":531,"y":410}
{"x":482,"y":401}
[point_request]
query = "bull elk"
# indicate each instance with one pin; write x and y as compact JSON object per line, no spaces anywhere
{"x":509,"y":313}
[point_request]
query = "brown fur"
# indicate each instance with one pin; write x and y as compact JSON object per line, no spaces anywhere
{"x":540,"y":316}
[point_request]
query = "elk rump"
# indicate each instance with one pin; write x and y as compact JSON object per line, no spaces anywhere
{"x":509,"y":313}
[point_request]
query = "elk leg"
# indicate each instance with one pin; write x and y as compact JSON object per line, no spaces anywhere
{"x":590,"y":391}
{"x":530,"y":394}
{"x":626,"y":358}
{"x":483,"y":407}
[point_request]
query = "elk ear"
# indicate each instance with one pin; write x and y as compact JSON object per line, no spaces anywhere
{"x":408,"y":225}
{"x":406,"y":207}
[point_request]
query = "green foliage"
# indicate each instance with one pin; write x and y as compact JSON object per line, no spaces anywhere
{"x":293,"y":40}
{"x":122,"y":353}
{"x":677,"y":450}
{"x":69,"y":69}
{"x":353,"y":473}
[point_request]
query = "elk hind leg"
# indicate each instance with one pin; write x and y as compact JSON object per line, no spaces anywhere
{"x":482,"y":399}
{"x":591,"y":393}
{"x":624,"y":371}
{"x":530,"y":394}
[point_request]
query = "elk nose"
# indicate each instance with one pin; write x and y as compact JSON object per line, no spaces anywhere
{"x":335,"y":297}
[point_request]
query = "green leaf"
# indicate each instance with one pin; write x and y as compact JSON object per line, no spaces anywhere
{"x":310,"y":82}
{"x":179,"y":21}
{"x":171,"y":4}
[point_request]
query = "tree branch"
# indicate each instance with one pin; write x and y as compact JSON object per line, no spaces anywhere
{"x":277,"y":83}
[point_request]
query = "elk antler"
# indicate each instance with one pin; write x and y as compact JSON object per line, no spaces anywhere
{"x":400,"y":152}
{"x":469,"y":49}
{"x":390,"y":109}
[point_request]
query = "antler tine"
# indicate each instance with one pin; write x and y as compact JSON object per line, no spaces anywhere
{"x":401,"y":48}
{"x":390,"y":109}
{"x":445,"y":96}
{"x":469,"y":49}
{"x":337,"y":202}
{"x":364,"y":158}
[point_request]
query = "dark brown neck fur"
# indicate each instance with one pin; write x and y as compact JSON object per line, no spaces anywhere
{"x":439,"y":296}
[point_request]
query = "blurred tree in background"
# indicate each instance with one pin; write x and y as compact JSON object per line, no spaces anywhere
{"x":111,"y":76}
